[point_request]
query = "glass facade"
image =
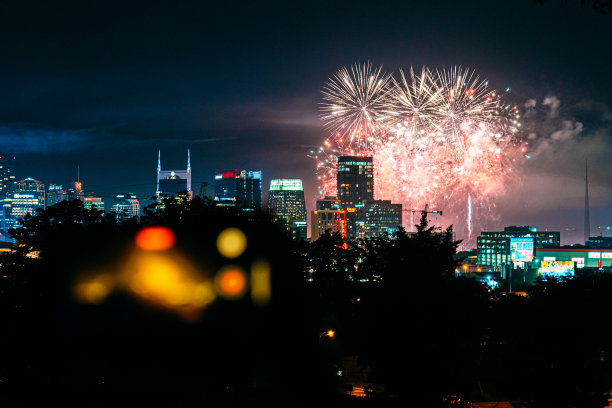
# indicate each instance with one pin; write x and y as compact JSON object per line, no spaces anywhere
{"x":495,"y":248}
{"x":378,"y":217}
{"x":286,"y":202}
{"x":125,"y":206}
{"x":7,"y":175}
{"x":238,"y":188}
{"x":355,"y":180}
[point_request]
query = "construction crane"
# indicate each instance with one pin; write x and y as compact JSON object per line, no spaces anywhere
{"x":424,"y":211}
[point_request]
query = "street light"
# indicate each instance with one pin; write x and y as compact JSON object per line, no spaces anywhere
{"x":327,"y":333}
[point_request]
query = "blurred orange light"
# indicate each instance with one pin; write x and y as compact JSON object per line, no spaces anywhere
{"x":155,"y":239}
{"x":231,"y":282}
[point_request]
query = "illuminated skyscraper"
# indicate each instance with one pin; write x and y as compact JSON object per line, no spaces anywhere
{"x":55,"y":194}
{"x":125,"y":206}
{"x":328,"y":203}
{"x":7,"y":175}
{"x":28,"y":195}
{"x":322,"y":221}
{"x":355,"y":180}
{"x":286,"y":202}
{"x":238,"y":188}
{"x":171,"y":182}
{"x":378,"y":217}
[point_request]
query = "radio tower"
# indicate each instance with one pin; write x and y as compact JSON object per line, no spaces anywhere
{"x":587,"y":217}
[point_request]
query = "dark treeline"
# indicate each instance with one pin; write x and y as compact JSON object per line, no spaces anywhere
{"x":423,"y":336}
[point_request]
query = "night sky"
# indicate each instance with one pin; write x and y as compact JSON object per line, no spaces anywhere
{"x":104,"y":87}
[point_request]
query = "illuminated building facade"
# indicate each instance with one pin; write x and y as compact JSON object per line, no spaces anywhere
{"x":171,"y":182}
{"x":7,"y":175}
{"x":286,"y":202}
{"x":125,"y":206}
{"x":378,"y":217}
{"x":55,"y":194}
{"x":28,"y":195}
{"x":599,"y":242}
{"x":355,"y":180}
{"x":93,"y":202}
{"x":327,"y":220}
{"x":582,"y":257}
{"x":328,"y":203}
{"x":513,"y":244}
{"x":238,"y":188}
{"x":75,"y":192}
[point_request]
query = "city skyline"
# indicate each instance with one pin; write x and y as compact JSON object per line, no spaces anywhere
{"x":107,"y":109}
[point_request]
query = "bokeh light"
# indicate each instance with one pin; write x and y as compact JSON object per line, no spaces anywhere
{"x":260,"y":282}
{"x":231,"y":282}
{"x":167,"y":280}
{"x":231,"y":242}
{"x":94,"y":289}
{"x":155,"y":239}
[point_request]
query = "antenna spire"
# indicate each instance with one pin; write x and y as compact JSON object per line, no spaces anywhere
{"x":188,"y":161}
{"x":587,"y":217}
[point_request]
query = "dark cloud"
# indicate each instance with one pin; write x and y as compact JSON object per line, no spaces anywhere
{"x":29,"y":138}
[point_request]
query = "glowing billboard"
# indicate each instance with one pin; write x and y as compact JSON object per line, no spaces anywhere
{"x":556,"y":268}
{"x":521,"y":249}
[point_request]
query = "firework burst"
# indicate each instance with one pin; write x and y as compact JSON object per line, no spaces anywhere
{"x":440,"y":138}
{"x":352,"y":105}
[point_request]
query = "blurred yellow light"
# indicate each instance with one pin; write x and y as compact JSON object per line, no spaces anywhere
{"x":94,"y":290}
{"x":330,"y":333}
{"x":231,"y":282}
{"x":168,"y":281}
{"x":260,"y":282}
{"x":231,"y":242}
{"x":155,"y":239}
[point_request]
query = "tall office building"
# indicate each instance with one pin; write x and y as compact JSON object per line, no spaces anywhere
{"x":286,"y":202}
{"x":378,"y":217}
{"x":328,"y":203}
{"x":171,"y":182}
{"x":355,"y":180}
{"x":28,"y":195}
{"x":322,"y":221}
{"x":55,"y":194}
{"x":238,"y":188}
{"x":74,"y":192}
{"x":125,"y":206}
{"x":7,"y":175}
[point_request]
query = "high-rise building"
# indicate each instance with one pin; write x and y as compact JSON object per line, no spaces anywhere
{"x":238,"y":188}
{"x":171,"y":182}
{"x":125,"y":206}
{"x":7,"y":175}
{"x":74,"y":192}
{"x":355,"y":180}
{"x":378,"y":217}
{"x":28,"y":195}
{"x":328,"y":203}
{"x":286,"y":202}
{"x":55,"y":194}
{"x":322,"y":221}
